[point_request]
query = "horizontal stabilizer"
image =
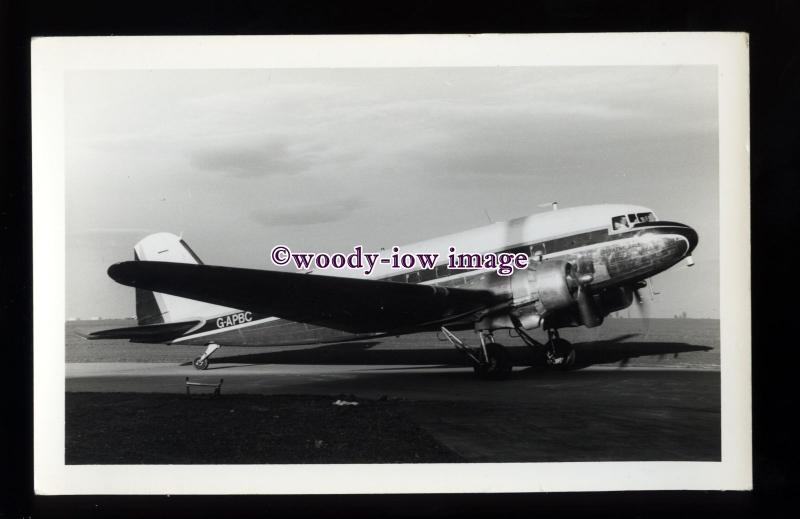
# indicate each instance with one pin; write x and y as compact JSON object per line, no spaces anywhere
{"x":148,"y":333}
{"x":353,"y":305}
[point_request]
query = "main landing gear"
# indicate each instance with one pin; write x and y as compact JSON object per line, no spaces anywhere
{"x":491,"y":362}
{"x":201,"y":362}
{"x":558,"y":353}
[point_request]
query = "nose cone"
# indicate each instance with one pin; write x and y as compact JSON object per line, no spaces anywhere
{"x":691,"y":236}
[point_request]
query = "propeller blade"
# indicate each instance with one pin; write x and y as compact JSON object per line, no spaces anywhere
{"x":642,"y":303}
{"x":587,"y":308}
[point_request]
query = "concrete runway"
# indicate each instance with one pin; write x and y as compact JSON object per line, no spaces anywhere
{"x":427,"y":382}
{"x":634,"y":397}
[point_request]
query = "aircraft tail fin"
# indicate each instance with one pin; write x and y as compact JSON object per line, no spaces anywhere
{"x":156,"y":308}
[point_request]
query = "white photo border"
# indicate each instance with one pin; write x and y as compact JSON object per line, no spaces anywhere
{"x":51,"y":58}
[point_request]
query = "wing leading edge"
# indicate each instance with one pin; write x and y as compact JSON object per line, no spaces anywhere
{"x":352,"y":305}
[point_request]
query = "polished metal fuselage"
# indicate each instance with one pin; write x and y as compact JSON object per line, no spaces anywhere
{"x":617,"y":260}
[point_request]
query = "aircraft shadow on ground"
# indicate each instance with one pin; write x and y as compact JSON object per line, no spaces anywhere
{"x":362,"y":353}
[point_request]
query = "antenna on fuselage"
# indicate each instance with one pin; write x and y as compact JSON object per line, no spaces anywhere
{"x":486,"y":212}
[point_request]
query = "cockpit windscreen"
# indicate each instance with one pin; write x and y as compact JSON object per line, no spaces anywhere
{"x":627,"y":221}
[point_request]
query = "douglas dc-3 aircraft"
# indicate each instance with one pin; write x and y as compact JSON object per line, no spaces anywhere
{"x":584,"y":263}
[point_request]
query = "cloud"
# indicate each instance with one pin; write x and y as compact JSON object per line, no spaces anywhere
{"x":324,"y":212}
{"x":272,"y":157}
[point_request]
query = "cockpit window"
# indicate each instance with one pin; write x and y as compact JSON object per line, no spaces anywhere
{"x":619,"y":222}
{"x":626,"y":221}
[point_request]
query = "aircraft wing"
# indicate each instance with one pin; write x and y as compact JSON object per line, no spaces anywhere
{"x":353,"y":305}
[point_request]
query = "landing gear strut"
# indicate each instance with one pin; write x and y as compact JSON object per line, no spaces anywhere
{"x":558,"y":353}
{"x":201,"y":362}
{"x":491,"y":362}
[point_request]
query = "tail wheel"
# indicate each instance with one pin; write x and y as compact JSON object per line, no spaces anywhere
{"x":560,"y":354}
{"x":200,"y":363}
{"x":498,"y":365}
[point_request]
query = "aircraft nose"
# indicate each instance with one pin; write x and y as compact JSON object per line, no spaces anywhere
{"x":691,"y":235}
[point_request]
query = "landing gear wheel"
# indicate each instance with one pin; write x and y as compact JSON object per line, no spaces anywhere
{"x":560,"y":354}
{"x":499,"y":363}
{"x":200,"y":363}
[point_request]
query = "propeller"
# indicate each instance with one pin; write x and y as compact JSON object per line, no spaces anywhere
{"x":642,"y":303}
{"x":578,"y":278}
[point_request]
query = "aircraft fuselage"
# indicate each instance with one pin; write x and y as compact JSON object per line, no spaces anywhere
{"x":615,"y":252}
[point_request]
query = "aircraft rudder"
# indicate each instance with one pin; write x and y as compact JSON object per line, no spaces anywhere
{"x":157,"y":308}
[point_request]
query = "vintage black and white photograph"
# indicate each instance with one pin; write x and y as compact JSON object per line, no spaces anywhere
{"x":441,"y":265}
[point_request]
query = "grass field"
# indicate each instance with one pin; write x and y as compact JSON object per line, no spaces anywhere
{"x":119,"y":428}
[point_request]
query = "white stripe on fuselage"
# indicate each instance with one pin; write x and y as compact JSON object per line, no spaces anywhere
{"x":225,"y":329}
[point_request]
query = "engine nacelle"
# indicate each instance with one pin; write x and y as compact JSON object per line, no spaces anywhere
{"x":550,"y":286}
{"x":543,"y":287}
{"x":615,"y":299}
{"x":547,"y":285}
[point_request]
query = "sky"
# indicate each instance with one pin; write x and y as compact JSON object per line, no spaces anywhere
{"x":237,"y":161}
